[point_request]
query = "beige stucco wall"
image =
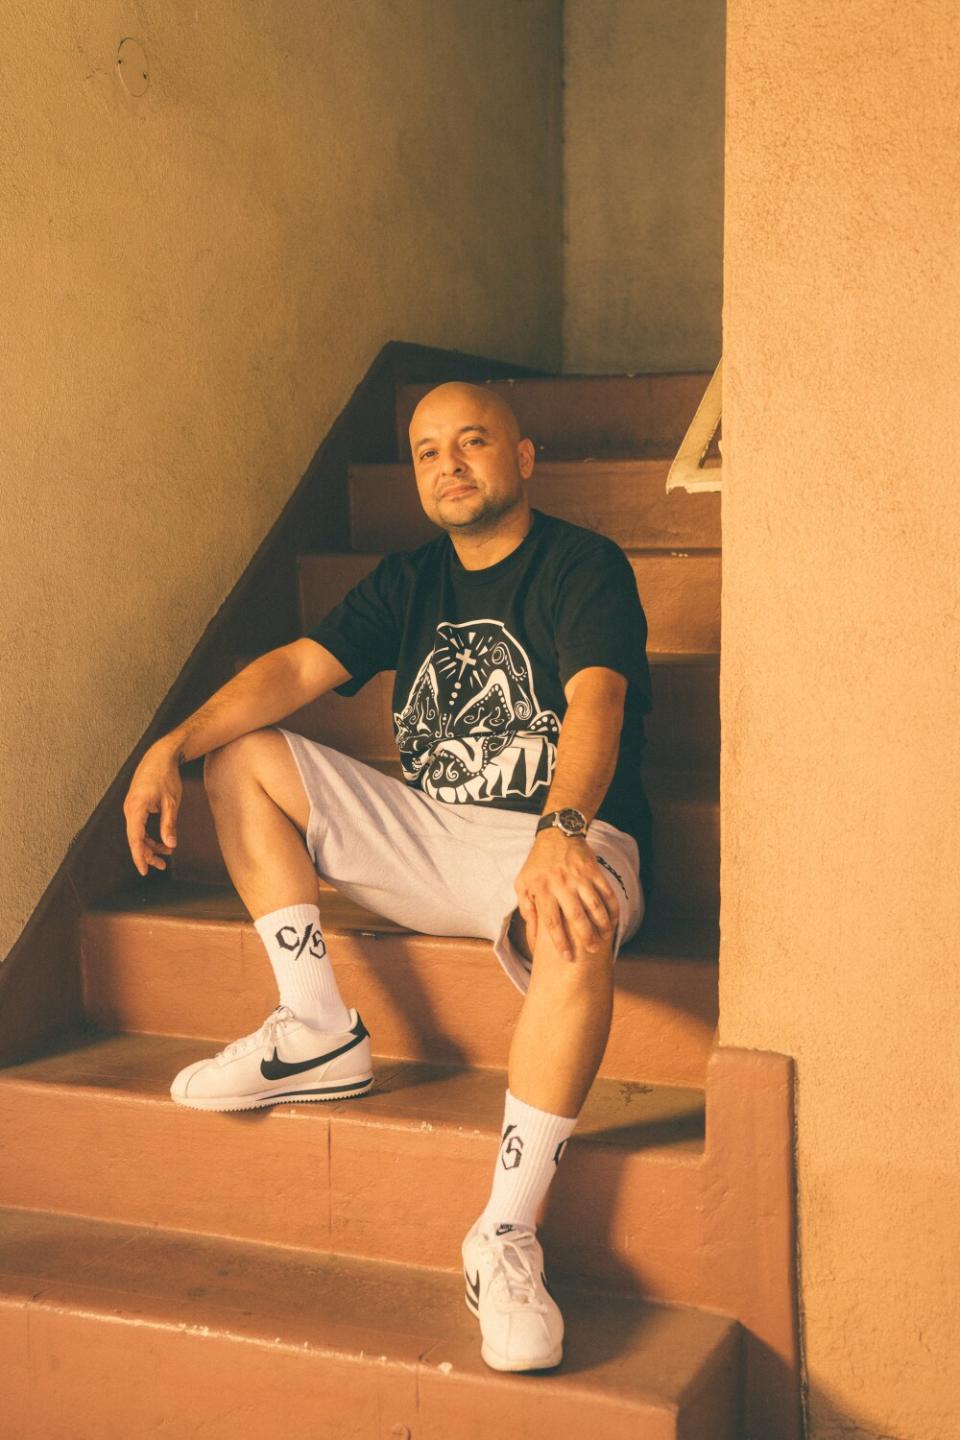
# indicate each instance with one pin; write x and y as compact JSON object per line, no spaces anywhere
{"x":193,"y":282}
{"x":840,"y":683}
{"x":643,"y":166}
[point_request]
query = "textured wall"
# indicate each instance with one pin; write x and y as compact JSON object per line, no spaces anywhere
{"x":643,"y":165}
{"x":193,"y":283}
{"x":841,"y":669}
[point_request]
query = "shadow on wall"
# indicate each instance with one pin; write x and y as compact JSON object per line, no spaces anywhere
{"x":827,"y":1419}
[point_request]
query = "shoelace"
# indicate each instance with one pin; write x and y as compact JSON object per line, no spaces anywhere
{"x":266,"y":1036}
{"x":514,"y":1278}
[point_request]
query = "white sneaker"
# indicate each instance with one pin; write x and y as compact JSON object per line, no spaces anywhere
{"x":506,"y":1289}
{"x":251,"y":1073}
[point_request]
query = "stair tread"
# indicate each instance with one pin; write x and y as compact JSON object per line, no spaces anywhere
{"x":411,"y":1094}
{"x":633,"y":1352}
{"x":664,"y":658}
{"x":690,"y":783}
{"x":680,"y":936}
{"x":371,"y":558}
{"x":650,"y":457}
{"x":685,"y":657}
{"x":679,"y":585}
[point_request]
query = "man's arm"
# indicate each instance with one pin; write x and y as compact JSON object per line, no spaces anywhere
{"x":561,"y":885}
{"x":263,"y":692}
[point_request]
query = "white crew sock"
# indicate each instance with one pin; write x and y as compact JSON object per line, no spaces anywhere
{"x":531,"y":1144}
{"x":298,"y":954}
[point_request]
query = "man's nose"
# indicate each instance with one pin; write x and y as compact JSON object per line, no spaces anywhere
{"x":451,"y":463}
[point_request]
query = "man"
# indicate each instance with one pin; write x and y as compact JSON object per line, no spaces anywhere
{"x":518,"y":642}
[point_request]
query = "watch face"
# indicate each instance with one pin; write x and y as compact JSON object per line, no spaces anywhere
{"x":571,"y":821}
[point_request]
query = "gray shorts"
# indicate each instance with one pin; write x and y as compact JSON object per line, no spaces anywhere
{"x":438,"y":868}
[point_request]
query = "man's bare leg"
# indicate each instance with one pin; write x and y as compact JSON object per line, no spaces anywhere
{"x":261,"y":813}
{"x":562,"y":1030}
{"x":556,"y":1051}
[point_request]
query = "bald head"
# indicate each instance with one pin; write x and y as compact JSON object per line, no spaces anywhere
{"x":471,"y":462}
{"x":479,"y":401}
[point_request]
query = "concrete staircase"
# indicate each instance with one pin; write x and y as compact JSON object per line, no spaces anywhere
{"x":168,"y":1272}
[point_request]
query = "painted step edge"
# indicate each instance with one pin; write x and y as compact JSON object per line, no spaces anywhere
{"x":74,"y":1118}
{"x":679,"y":935}
{"x":147,"y":1324}
{"x":655,"y":1121}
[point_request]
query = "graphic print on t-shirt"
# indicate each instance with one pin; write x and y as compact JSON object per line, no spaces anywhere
{"x":472,"y":728}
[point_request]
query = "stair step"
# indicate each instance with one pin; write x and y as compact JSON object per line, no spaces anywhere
{"x":579,"y":415}
{"x":135,"y":1330}
{"x":90,"y":1128}
{"x":682,"y":729}
{"x":685,"y":808}
{"x":679,"y":591}
{"x":625,"y":499}
{"x":171,"y":958}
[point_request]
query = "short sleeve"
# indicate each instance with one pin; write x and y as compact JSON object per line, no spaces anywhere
{"x":363,"y":631}
{"x":599,"y":616}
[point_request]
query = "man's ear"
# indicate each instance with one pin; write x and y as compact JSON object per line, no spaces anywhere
{"x":526,"y":455}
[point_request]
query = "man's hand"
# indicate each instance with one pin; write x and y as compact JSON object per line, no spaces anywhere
{"x":562,"y":888}
{"x":156,"y":789}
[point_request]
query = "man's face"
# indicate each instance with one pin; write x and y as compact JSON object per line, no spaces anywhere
{"x":469,"y":460}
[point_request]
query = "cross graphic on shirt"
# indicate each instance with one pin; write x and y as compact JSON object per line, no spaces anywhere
{"x":465,"y":657}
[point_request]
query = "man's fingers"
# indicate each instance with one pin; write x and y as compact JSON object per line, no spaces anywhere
{"x":580,"y":923}
{"x":528,"y":913}
{"x":599,"y":898}
{"x":576,"y":915}
{"x":146,"y":851}
{"x":594,"y":877}
{"x":136,"y":835}
{"x":602,"y":912}
{"x":553,"y":917}
{"x":151,"y":852}
{"x":168,"y":820}
{"x":573,"y":901}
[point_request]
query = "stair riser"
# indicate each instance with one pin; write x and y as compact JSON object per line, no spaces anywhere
{"x":627,"y":503}
{"x":421,"y":997}
{"x":630,"y":1221}
{"x":687,"y":841}
{"x":682,"y":729}
{"x":680,"y":593}
{"x":588,"y":415}
{"x":115,"y":1381}
{"x":79,"y":1375}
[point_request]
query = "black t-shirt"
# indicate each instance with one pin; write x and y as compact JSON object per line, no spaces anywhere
{"x":481,"y":659}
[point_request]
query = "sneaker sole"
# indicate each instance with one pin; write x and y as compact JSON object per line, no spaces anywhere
{"x":500,"y":1362}
{"x":343,"y":1090}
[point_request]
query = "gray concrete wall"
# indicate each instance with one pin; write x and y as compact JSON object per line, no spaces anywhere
{"x":643,"y":177}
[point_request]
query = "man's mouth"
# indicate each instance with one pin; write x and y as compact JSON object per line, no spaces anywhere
{"x":453,"y":492}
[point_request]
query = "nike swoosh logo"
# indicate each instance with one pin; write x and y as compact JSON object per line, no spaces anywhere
{"x":277,"y":1069}
{"x":473,"y":1285}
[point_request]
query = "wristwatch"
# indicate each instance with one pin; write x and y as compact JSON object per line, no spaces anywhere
{"x":570,"y":822}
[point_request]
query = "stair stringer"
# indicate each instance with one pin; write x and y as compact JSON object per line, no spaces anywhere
{"x":747,"y":1255}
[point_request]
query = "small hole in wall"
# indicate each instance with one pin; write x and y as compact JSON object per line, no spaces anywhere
{"x":132,"y":66}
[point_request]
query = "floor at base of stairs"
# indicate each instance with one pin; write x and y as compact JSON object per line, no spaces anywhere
{"x":119,"y":1330}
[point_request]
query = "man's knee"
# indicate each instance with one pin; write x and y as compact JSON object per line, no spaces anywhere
{"x":583,"y":966}
{"x":251,"y":756}
{"x":236,"y":757}
{"x":262,"y":759}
